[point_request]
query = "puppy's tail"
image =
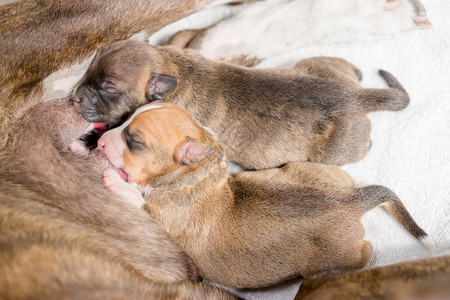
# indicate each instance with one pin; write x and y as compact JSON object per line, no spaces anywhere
{"x":394,"y":98}
{"x":374,"y":195}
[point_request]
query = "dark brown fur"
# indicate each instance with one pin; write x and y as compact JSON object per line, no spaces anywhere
{"x":257,"y":228}
{"x":315,"y":111}
{"x":427,"y":279}
{"x":38,"y":37}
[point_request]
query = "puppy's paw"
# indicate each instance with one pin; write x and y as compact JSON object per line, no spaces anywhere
{"x":117,"y":185}
{"x":422,"y":22}
{"x":113,"y":181}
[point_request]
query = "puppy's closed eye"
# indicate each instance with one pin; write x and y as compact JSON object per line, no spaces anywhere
{"x":110,"y":94}
{"x":108,"y":86}
{"x":133,"y":141}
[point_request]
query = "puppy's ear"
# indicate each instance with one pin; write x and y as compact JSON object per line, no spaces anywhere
{"x":160,"y":86}
{"x":189,"y":151}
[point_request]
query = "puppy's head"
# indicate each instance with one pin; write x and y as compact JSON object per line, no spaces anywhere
{"x":120,"y":79}
{"x":159,"y":139}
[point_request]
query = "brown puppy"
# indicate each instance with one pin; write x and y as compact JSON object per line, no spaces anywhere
{"x":64,"y":235}
{"x":254,"y":229}
{"x":263,"y":118}
{"x":413,"y":280}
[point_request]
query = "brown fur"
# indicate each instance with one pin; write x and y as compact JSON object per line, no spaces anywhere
{"x":62,"y":234}
{"x":183,"y":38}
{"x":264,"y":118}
{"x":253,"y":229}
{"x":425,"y":279}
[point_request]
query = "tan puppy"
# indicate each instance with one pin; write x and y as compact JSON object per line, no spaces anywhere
{"x":254,"y":229}
{"x":263,"y":118}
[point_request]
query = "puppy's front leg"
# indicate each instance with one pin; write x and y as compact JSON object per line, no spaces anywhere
{"x":117,"y":185}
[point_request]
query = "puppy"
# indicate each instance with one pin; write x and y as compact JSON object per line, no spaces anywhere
{"x":263,"y":118}
{"x":420,"y":279}
{"x":63,"y":235}
{"x":44,"y":45}
{"x":251,"y":230}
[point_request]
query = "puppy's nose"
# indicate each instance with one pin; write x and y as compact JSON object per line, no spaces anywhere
{"x":101,"y":144}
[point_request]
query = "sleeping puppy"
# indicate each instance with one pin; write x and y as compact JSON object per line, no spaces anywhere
{"x":254,"y":229}
{"x":264,"y":118}
{"x":63,"y":235}
{"x":411,"y":280}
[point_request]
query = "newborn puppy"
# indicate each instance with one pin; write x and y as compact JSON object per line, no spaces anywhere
{"x":254,"y":229}
{"x":411,"y":280}
{"x":264,"y":118}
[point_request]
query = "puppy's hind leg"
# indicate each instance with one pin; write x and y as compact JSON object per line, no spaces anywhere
{"x":366,"y":253}
{"x":326,"y":67}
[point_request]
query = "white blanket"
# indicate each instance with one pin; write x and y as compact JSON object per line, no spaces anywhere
{"x":411,"y":148}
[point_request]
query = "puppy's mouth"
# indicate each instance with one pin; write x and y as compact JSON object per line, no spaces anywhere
{"x":123,"y":175}
{"x":100,"y":128}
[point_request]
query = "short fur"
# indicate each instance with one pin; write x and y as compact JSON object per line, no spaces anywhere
{"x":40,"y":37}
{"x":263,"y":117}
{"x":64,"y":236}
{"x":253,"y":229}
{"x":420,"y":279}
